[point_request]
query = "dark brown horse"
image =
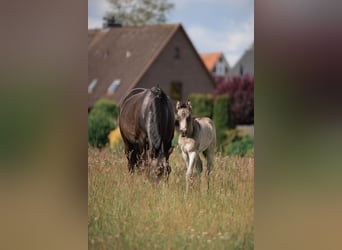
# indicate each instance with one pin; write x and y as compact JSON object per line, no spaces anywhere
{"x":146,"y":123}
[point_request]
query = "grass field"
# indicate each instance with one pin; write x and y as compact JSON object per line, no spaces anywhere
{"x":130,"y":212}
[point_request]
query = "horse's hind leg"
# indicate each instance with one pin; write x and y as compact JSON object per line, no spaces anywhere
{"x":131,"y":158}
{"x":131,"y":162}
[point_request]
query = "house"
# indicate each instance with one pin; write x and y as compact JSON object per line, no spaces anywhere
{"x":123,"y":58}
{"x":245,"y":66}
{"x":216,"y":64}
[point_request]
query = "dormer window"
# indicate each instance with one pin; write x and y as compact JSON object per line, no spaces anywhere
{"x":115,"y":84}
{"x":92,"y":86}
{"x":220,"y":69}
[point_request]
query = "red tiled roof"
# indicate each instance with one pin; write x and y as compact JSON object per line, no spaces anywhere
{"x":210,"y":59}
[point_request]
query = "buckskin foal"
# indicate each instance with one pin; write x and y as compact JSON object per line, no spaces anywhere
{"x":196,"y":135}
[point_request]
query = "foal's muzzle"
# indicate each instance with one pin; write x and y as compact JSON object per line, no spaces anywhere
{"x":183,"y":133}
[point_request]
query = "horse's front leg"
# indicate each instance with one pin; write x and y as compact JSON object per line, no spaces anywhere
{"x":190,"y":166}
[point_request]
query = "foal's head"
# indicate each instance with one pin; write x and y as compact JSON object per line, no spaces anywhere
{"x":184,"y":118}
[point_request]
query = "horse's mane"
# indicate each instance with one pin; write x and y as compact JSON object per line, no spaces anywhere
{"x":159,"y":102}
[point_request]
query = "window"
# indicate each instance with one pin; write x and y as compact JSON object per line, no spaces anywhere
{"x":241,"y":69}
{"x":176,"y":91}
{"x":92,"y":86}
{"x":220,"y":69}
{"x":176,"y":52}
{"x":113,"y":86}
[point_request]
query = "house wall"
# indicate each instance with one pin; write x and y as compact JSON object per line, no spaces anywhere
{"x":225,"y":64}
{"x":247,"y":61}
{"x":188,"y":69}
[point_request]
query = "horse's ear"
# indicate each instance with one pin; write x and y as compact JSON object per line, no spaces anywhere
{"x":188,"y":103}
{"x":178,"y":105}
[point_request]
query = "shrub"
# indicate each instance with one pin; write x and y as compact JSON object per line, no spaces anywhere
{"x":99,"y":126}
{"x":202,"y":105}
{"x":108,"y":107}
{"x":101,"y":120}
{"x":241,"y":147}
{"x":241,"y":93}
{"x":221,"y":118}
{"x":115,"y":138}
{"x":238,"y":143}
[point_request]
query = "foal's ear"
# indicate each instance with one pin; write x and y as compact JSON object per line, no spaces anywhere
{"x":178,"y":105}
{"x":188,"y":103}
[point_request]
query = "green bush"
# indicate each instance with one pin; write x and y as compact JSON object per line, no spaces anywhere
{"x":107,"y":106}
{"x":202,"y":105}
{"x":241,"y":147}
{"x":101,"y":121}
{"x":221,"y":118}
{"x":99,"y":126}
{"x":238,"y":143}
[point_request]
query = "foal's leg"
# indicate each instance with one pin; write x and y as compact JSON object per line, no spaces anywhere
{"x":185,"y":158}
{"x":209,"y":154}
{"x":192,"y":158}
{"x":199,"y":165}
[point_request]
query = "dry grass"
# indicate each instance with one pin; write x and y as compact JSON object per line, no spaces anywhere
{"x":130,"y":212}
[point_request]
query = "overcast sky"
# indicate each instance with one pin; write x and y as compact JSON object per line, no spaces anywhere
{"x":213,"y":25}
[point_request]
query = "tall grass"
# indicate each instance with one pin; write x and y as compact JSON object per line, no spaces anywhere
{"x":130,"y":212}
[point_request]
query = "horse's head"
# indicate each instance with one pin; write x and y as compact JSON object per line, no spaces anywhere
{"x":184,"y":118}
{"x":160,"y":166}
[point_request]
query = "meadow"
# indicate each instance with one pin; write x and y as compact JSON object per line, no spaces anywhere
{"x":130,"y":212}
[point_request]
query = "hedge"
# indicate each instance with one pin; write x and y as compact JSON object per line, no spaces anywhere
{"x":238,"y":142}
{"x":202,"y":105}
{"x":221,"y":118}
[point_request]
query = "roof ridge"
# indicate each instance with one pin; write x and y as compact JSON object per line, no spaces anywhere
{"x":218,"y":52}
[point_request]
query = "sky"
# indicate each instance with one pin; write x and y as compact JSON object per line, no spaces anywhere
{"x":213,"y":25}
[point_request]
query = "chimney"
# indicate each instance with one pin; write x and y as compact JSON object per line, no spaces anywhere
{"x":110,"y":22}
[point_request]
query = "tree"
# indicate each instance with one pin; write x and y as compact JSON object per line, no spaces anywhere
{"x":138,"y":12}
{"x":241,"y":95}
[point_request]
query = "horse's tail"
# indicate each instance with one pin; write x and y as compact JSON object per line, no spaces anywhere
{"x":157,"y":112}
